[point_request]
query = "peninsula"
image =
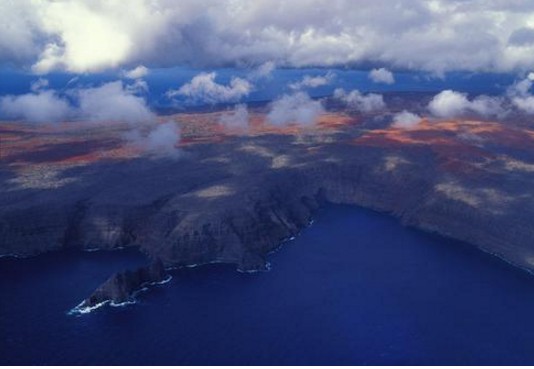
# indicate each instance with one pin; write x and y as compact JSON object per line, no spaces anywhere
{"x":233,"y":195}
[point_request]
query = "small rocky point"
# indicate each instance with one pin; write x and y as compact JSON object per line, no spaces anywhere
{"x":234,"y":199}
{"x":121,"y":287}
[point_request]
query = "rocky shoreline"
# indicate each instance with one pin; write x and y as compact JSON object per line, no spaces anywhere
{"x":236,"y":201}
{"x":122,"y":287}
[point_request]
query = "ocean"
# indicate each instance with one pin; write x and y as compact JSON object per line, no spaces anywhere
{"x":356,"y":287}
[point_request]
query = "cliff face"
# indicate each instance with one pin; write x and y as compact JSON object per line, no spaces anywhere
{"x":236,"y":201}
{"x":121,"y":287}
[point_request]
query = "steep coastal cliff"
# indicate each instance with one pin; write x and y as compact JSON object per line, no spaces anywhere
{"x":236,"y":201}
{"x":121,"y":287}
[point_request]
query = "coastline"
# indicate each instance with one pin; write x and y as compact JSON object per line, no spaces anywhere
{"x":81,"y":309}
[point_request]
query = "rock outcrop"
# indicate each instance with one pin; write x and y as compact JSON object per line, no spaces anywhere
{"x":236,"y":201}
{"x":122,"y":287}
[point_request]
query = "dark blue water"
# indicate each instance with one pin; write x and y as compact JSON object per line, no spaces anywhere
{"x":355,"y":288}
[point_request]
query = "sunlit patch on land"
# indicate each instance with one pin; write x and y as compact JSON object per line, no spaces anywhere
{"x":460,"y":145}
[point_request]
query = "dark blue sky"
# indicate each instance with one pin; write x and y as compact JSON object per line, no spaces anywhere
{"x":161,"y":80}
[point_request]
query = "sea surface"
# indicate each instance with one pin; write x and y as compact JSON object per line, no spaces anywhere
{"x":354,"y":288}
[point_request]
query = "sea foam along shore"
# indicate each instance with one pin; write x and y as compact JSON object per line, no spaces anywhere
{"x":82,"y":308}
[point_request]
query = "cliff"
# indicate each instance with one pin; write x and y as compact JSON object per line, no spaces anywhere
{"x":236,"y":201}
{"x":121,"y":287}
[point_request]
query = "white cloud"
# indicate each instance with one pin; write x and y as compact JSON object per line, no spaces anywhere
{"x":38,"y":85}
{"x":156,"y":139}
{"x":237,"y":119}
{"x":521,"y":88}
{"x":91,"y":36}
{"x":313,"y":81}
{"x":136,"y":73}
{"x":297,"y":108}
{"x":19,"y":25}
{"x":522,"y":37}
{"x":406,"y":120}
{"x":87,"y":36}
{"x":203,"y":88}
{"x":524,"y":103}
{"x":38,"y":107}
{"x":112,"y":102}
{"x":382,"y":75}
{"x":138,"y":86}
{"x":265,"y":70}
{"x":450,"y":104}
{"x":361,"y":102}
{"x":488,"y":106}
{"x":163,"y":140}
{"x":520,"y":94}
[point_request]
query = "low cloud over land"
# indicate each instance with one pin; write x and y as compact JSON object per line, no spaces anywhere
{"x":112,"y":102}
{"x":406,"y":120}
{"x":204,"y":89}
{"x":362,"y":102}
{"x":163,"y":139}
{"x":521,"y":96}
{"x":297,"y":108}
{"x":38,"y":107}
{"x":382,"y":75}
{"x":236,"y":119}
{"x":313,"y":81}
{"x":450,"y":104}
{"x":138,"y":72}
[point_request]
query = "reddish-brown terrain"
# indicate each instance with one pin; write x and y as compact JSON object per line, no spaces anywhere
{"x":232,"y":196}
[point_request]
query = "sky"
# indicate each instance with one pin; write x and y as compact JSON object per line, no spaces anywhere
{"x":62,"y":59}
{"x":436,"y":36}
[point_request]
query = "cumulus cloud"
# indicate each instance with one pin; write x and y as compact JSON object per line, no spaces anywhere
{"x":265,"y":70}
{"x":361,"y":102}
{"x":38,"y":85}
{"x":406,"y":120}
{"x":137,"y":87}
{"x":297,"y":108}
{"x":163,"y":139}
{"x":136,"y":73}
{"x":237,"y":119}
{"x":112,"y":102}
{"x":450,"y":104}
{"x":488,"y":106}
{"x":522,"y":87}
{"x":313,"y":81}
{"x":38,"y":107}
{"x":19,"y":26}
{"x":203,"y":88}
{"x":524,"y":103}
{"x":520,"y":95}
{"x":382,"y":75}
{"x":156,"y":139}
{"x":87,"y":36}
